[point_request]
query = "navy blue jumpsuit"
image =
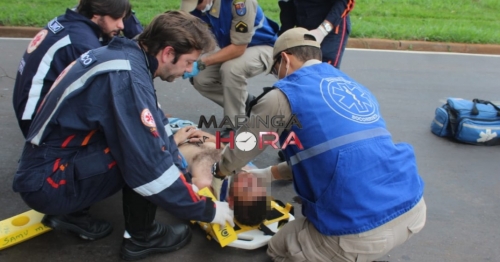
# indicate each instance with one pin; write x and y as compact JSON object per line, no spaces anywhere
{"x":100,"y":129}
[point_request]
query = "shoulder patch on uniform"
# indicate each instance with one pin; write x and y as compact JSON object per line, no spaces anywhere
{"x":37,"y":40}
{"x":241,"y":27}
{"x":240,"y":7}
{"x":147,"y":118}
{"x":87,"y":58}
{"x":149,"y":121}
{"x":55,"y":26}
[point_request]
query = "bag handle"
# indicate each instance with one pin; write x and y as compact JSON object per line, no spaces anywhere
{"x":475,"y":101}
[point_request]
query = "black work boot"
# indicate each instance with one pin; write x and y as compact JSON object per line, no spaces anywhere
{"x":79,"y":223}
{"x":159,"y":239}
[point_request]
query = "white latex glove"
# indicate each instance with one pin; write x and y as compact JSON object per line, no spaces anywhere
{"x":217,"y":186}
{"x":318,"y":34}
{"x":222,"y":214}
{"x":264,"y":174}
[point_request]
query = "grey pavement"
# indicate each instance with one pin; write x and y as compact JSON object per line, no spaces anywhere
{"x":462,"y":181}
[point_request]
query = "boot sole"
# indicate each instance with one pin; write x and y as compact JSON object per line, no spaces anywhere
{"x":67,"y":227}
{"x":131,"y":255}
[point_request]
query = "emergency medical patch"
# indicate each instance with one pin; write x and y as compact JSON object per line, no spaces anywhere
{"x":349,"y":100}
{"x":87,"y":58}
{"x":149,"y":121}
{"x":37,"y":40}
{"x":241,"y":27}
{"x":240,"y":7}
{"x":147,"y":118}
{"x":55,"y":26}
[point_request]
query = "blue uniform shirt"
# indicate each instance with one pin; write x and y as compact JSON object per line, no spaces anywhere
{"x":132,"y":26}
{"x":61,"y":42}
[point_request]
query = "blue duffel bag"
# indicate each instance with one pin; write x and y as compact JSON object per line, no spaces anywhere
{"x":474,"y":122}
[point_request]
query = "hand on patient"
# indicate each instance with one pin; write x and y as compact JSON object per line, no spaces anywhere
{"x":222,"y":214}
{"x":200,"y":136}
{"x":184,"y":134}
{"x":191,"y":134}
{"x":265,"y":175}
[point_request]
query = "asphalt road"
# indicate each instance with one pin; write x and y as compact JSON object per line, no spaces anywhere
{"x":462,"y":181}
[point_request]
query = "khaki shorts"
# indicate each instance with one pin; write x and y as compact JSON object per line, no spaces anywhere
{"x":300,"y":241}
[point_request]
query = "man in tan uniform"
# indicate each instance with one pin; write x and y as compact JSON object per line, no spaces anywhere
{"x":245,"y":37}
{"x":361,"y":193}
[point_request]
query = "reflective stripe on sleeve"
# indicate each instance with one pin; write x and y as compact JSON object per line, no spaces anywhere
{"x":337,"y":142}
{"x":41,"y":73}
{"x":118,"y":64}
{"x":168,"y":129}
{"x":164,"y":181}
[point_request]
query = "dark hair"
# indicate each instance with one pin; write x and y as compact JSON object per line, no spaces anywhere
{"x":113,"y":8}
{"x":180,"y":30}
{"x":251,"y":213}
{"x":303,"y":53}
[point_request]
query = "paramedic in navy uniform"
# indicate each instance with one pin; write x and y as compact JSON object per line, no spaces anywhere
{"x":328,"y":21}
{"x":61,"y":42}
{"x":361,"y":193}
{"x":100,"y":130}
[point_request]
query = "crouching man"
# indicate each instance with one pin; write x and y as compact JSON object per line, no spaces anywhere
{"x":362,"y":194}
{"x":100,"y":130}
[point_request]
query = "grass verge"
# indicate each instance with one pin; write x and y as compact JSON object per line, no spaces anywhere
{"x":462,"y":21}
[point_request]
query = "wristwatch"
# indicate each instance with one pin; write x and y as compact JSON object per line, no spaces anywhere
{"x":327,"y":26}
{"x":215,"y":171}
{"x":201,"y":65}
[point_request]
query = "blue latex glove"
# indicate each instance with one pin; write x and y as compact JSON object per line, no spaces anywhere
{"x":194,"y":72}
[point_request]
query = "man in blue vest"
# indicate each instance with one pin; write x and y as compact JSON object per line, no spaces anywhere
{"x":100,"y":130}
{"x":61,"y":42}
{"x":361,"y":193}
{"x":245,"y":37}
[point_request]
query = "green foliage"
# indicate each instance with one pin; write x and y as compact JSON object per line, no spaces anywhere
{"x":467,"y":21}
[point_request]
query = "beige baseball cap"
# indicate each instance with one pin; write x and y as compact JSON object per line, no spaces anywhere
{"x":188,"y":5}
{"x":292,"y":38}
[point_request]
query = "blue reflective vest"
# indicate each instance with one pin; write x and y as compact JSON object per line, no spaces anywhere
{"x":350,"y":175}
{"x":265,"y":33}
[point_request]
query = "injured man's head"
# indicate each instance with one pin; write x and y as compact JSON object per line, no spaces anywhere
{"x":248,"y":198}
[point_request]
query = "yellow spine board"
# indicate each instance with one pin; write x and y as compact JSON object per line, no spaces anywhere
{"x":20,"y":228}
{"x":285,"y":215}
{"x":225,"y":235}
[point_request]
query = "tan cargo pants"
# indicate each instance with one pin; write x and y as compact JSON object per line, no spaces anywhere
{"x":226,"y":83}
{"x":300,"y":241}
